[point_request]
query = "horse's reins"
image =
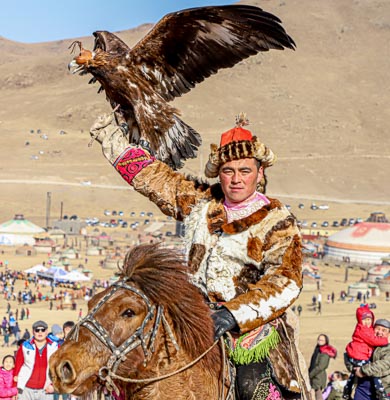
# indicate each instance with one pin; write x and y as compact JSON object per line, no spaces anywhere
{"x":108,"y":372}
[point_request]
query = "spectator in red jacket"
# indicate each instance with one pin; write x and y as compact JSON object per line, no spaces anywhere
{"x":31,"y":366}
{"x":360,"y":349}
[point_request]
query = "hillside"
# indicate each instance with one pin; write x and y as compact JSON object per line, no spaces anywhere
{"x":323,"y":109}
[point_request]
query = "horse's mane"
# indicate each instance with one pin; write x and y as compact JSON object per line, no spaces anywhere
{"x":162,"y":274}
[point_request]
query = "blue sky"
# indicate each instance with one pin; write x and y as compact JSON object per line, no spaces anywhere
{"x":32,"y":21}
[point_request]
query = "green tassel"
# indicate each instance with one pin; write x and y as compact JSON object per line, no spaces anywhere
{"x":242,"y":356}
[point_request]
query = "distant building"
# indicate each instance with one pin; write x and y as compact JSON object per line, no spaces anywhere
{"x":70,"y":226}
{"x":378,"y":273}
{"x":25,"y":251}
{"x":18,"y":231}
{"x":366,"y":243}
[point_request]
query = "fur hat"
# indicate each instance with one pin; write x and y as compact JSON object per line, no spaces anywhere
{"x":238,"y":143}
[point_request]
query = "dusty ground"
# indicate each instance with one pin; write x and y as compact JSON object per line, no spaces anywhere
{"x":337,"y":320}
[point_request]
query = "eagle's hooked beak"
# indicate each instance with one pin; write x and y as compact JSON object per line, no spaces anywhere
{"x":80,"y":62}
{"x":73,"y":67}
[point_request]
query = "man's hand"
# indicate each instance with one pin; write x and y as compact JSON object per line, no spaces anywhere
{"x":223,"y":322}
{"x":359,"y":373}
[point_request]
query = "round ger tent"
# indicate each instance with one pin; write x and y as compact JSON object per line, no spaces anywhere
{"x":367,"y":242}
{"x":18,"y":231}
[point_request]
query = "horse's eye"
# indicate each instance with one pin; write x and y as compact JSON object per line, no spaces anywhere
{"x":128,"y":313}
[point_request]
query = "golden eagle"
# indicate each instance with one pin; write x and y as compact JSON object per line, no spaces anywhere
{"x":181,"y":50}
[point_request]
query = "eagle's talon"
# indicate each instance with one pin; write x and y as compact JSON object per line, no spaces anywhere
{"x":124,"y":127}
{"x":146,"y":146}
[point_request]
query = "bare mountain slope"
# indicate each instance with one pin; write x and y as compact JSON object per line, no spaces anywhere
{"x":324,"y":109}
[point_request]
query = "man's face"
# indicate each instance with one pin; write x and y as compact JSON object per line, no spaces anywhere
{"x":381,"y":331}
{"x":239,"y":179}
{"x":40,"y":334}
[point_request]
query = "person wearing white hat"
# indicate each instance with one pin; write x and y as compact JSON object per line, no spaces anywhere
{"x":244,"y":249}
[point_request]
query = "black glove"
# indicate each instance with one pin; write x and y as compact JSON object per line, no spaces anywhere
{"x":223,"y":322}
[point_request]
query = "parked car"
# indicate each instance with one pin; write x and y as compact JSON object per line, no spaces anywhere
{"x":313,"y":206}
{"x":335,"y":224}
{"x":301,"y":206}
{"x":344,"y":222}
{"x":325,"y":224}
{"x":107,"y":212}
{"x":73,"y":217}
{"x":323,"y":207}
{"x":288,"y":206}
{"x":120,"y":213}
{"x":314,"y":224}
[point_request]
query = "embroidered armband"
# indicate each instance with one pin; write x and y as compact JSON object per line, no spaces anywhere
{"x":132,"y":161}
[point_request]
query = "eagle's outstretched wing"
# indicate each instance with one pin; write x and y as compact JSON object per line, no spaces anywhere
{"x":187,"y":46}
{"x":181,"y":50}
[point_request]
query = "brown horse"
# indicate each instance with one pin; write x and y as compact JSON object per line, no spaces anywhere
{"x":144,"y":337}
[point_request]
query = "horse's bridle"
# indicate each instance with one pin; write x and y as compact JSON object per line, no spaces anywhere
{"x":138,"y":338}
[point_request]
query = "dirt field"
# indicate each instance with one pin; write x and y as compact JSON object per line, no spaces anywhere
{"x":337,"y":320}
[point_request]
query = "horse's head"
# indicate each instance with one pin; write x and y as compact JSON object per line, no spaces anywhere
{"x":131,"y":323}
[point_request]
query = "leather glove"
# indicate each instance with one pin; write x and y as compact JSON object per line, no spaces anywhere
{"x":111,"y":136}
{"x":128,"y":159}
{"x":223,"y":322}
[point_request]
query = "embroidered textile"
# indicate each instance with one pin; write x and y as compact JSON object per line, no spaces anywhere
{"x":245,"y":208}
{"x":131,"y":162}
{"x":254,"y":346}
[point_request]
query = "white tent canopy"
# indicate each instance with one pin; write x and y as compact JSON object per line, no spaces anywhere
{"x":55,"y":273}
{"x":75,"y":276}
{"x":35,"y":269}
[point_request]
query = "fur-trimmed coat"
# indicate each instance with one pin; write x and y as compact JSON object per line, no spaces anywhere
{"x":253,"y":265}
{"x":380,"y":366}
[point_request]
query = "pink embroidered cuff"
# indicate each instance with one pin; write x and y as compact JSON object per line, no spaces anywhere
{"x":131,"y":161}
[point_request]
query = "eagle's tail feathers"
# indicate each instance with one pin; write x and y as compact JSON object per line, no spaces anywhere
{"x":180,"y":144}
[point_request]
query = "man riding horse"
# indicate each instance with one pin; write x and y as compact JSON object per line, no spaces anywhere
{"x":243,"y":248}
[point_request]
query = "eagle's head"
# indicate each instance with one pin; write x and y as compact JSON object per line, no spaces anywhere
{"x":80,"y":63}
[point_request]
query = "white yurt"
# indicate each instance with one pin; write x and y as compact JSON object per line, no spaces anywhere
{"x":365,"y":243}
{"x":377,"y":273}
{"x":18,"y":231}
{"x":363,"y":287}
{"x":384,"y":284}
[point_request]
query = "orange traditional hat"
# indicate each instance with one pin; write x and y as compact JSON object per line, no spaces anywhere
{"x":238,"y":143}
